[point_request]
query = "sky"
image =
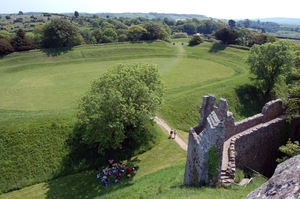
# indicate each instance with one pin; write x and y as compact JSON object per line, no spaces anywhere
{"x":221,"y":9}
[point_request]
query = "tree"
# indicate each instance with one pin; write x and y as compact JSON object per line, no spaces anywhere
{"x":227,"y":36}
{"x":290,"y":150}
{"x":155,"y":30}
{"x":258,"y":38}
{"x":38,"y":32}
{"x":247,"y":23}
{"x":196,"y":40}
{"x":207,"y":26}
{"x":5,"y":46}
{"x":293,"y":100}
{"x":97,"y":34}
{"x":231,"y":24}
{"x":135,"y":32}
{"x":190,"y":28}
{"x":61,"y":33}
{"x":109,"y":35}
{"x":118,"y":107}
{"x":21,"y":42}
{"x":270,"y":63}
{"x":76,"y":14}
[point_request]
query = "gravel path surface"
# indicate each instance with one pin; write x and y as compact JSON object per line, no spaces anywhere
{"x":163,"y":124}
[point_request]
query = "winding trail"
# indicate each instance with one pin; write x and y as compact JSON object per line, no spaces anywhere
{"x":165,"y":126}
{"x":161,"y":122}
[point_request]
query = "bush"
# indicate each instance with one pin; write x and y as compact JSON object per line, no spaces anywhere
{"x":21,"y":42}
{"x":291,"y":149}
{"x":196,"y":40}
{"x":5,"y":46}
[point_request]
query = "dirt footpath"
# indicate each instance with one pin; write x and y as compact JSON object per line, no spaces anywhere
{"x":163,"y":124}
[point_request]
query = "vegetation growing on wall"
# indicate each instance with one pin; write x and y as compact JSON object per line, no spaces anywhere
{"x":213,"y":163}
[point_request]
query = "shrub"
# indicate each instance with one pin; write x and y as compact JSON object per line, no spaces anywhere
{"x":196,"y":40}
{"x":290,"y":150}
{"x":5,"y":46}
{"x":21,"y":42}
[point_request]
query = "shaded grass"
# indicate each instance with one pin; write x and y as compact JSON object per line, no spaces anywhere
{"x":85,"y":184}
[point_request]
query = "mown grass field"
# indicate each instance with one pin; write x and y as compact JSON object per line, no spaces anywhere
{"x":40,"y":89}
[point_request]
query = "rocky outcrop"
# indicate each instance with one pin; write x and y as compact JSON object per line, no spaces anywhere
{"x":284,"y":184}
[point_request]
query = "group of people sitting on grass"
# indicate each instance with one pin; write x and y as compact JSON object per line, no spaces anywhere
{"x":115,"y":170}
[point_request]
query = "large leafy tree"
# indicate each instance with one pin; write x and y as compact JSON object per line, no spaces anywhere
{"x":293,"y":100}
{"x":231,"y":24}
{"x":270,"y":63}
{"x":118,"y":107}
{"x":21,"y":42}
{"x":5,"y":46}
{"x":76,"y":14}
{"x":227,"y":36}
{"x":109,"y":35}
{"x":61,"y":33}
{"x":135,"y":32}
{"x":155,"y":30}
{"x":190,"y":28}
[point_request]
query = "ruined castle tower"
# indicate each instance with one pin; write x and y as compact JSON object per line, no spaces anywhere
{"x":210,"y":132}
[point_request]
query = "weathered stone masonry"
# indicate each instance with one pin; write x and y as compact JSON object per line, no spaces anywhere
{"x":248,"y":143}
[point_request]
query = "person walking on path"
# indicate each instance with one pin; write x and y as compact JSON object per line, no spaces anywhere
{"x":171,"y":133}
{"x":175,"y":133}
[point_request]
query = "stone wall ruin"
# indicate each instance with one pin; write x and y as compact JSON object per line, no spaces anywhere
{"x":247,"y":143}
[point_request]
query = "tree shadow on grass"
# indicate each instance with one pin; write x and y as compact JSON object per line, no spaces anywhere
{"x":251,"y":100}
{"x":53,"y":52}
{"x":216,"y":47}
{"x":84,"y":185}
{"x":80,"y":167}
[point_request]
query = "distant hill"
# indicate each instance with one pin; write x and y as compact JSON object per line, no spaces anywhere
{"x":149,"y":15}
{"x":282,"y":20}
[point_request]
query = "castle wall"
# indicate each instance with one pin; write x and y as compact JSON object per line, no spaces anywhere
{"x":257,"y":149}
{"x":253,"y":139}
{"x":270,"y":111}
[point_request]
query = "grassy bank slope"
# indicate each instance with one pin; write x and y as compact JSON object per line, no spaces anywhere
{"x":160,"y":176}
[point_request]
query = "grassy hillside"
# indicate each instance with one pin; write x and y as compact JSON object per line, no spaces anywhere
{"x":160,"y":176}
{"x":40,"y":89}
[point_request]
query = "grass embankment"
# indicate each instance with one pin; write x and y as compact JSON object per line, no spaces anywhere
{"x":160,"y":175}
{"x":39,"y":91}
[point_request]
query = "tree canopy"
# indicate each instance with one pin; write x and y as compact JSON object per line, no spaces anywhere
{"x":116,"y":110}
{"x":227,"y":36}
{"x":270,"y":63}
{"x":21,"y":42}
{"x":61,"y":33}
{"x":231,"y":24}
{"x":76,"y":14}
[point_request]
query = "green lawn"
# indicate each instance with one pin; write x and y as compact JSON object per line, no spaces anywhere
{"x":40,"y":89}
